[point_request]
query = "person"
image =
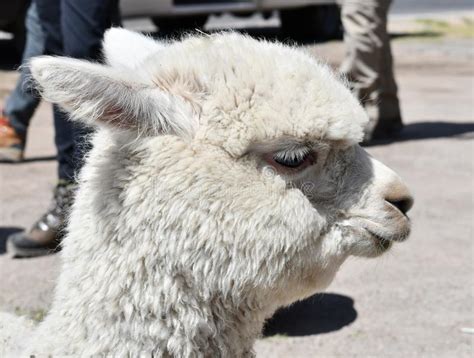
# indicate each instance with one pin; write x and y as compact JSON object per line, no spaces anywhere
{"x":75,"y":29}
{"x":368,"y":65}
{"x":23,"y":101}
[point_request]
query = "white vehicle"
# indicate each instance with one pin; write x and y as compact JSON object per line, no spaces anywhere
{"x":317,"y":18}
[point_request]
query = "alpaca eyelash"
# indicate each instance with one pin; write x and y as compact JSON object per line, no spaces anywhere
{"x":294,"y":154}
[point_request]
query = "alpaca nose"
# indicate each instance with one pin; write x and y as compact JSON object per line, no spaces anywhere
{"x":397,"y":193}
{"x":403,"y":204}
{"x":391,"y":187}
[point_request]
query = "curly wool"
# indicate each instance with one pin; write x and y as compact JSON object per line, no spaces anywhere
{"x":181,"y":242}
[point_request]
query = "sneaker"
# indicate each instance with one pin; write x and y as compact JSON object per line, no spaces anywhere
{"x":46,"y":234}
{"x":11,"y":144}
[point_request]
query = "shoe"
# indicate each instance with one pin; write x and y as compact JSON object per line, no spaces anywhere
{"x":46,"y":234}
{"x":11,"y":144}
{"x":387,"y":129}
{"x":384,"y":130}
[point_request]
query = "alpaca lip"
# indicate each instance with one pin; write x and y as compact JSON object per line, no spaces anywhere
{"x":382,"y":242}
{"x":390,"y":231}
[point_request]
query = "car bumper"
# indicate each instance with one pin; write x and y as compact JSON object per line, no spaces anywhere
{"x":132,"y":8}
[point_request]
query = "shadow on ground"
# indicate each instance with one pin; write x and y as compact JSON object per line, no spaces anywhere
{"x":431,"y":130}
{"x":5,"y":232}
{"x":321,"y":313}
{"x":44,"y":158}
{"x":415,"y":34}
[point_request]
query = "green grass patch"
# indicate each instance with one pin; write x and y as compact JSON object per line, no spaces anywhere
{"x":463,"y":28}
{"x":36,"y":315}
{"x":276,"y":336}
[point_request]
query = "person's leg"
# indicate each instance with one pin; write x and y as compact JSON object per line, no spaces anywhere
{"x":361,"y":63}
{"x":74,"y":29}
{"x":50,"y":13}
{"x":23,"y":101}
{"x":82,"y":25}
{"x":368,"y":63}
{"x":44,"y":236}
{"x":388,"y":102}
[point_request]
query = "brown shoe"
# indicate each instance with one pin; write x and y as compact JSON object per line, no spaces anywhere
{"x":46,"y":234}
{"x":11,"y":144}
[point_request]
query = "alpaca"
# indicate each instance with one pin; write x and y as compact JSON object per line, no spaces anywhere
{"x":225,"y":181}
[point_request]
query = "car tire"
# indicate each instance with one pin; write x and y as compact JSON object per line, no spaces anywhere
{"x":177,"y":25}
{"x":321,"y":22}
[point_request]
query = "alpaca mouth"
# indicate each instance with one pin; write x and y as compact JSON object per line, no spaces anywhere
{"x":385,"y":234}
{"x":382,"y":243}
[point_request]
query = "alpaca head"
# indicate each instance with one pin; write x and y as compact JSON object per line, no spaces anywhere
{"x":235,"y":161}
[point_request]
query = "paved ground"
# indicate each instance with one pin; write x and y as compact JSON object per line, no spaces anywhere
{"x":424,"y":6}
{"x":415,"y":301}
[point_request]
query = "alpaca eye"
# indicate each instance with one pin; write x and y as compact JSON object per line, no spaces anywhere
{"x":291,"y":161}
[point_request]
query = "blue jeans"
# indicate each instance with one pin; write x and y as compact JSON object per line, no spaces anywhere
{"x":22,"y":102}
{"x":75,"y":29}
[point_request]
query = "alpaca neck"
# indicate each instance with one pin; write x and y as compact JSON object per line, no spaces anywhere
{"x":140,"y":318}
{"x":119,"y":294}
{"x":232,"y":332}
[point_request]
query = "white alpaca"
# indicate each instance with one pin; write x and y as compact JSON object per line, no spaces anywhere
{"x":225,"y":181}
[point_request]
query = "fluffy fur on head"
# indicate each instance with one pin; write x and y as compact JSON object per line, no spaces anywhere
{"x":225,"y":181}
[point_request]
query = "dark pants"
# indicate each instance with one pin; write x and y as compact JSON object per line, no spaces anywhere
{"x":22,"y":102}
{"x":74,"y":28}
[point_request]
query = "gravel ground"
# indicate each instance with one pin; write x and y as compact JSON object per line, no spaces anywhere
{"x":416,"y":301}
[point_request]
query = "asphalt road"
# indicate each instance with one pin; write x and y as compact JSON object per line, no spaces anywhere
{"x":430,"y":6}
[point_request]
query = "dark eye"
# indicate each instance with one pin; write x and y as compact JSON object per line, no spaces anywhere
{"x":292,"y":161}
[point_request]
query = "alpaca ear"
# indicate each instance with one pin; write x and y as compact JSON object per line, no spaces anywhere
{"x":97,"y":94}
{"x":124,"y":48}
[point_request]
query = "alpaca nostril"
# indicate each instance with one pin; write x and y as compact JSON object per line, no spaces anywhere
{"x":403,"y":204}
